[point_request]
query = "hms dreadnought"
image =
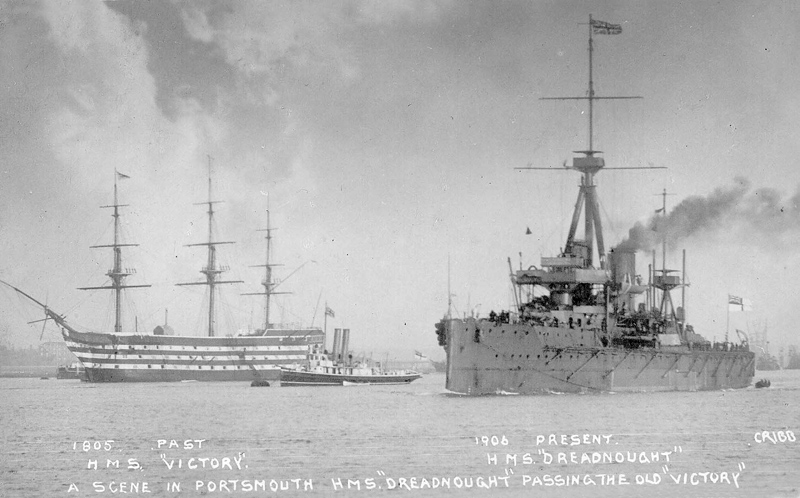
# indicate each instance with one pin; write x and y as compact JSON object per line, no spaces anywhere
{"x":585,"y":328}
{"x":162,"y":356}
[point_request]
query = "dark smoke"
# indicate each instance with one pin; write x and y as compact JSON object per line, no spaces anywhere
{"x":752,"y":214}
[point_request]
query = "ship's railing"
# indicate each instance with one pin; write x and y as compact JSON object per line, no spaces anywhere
{"x":567,"y":276}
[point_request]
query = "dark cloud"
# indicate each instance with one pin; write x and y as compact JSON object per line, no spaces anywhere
{"x":753,"y":214}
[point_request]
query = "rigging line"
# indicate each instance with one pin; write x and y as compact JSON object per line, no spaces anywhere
{"x":201,"y":320}
{"x":23,"y":304}
{"x":107,"y":320}
{"x":165,"y":305}
{"x":227,"y":321}
{"x":81,"y":302}
{"x":610,"y":224}
{"x":134,"y":311}
{"x":84,"y":263}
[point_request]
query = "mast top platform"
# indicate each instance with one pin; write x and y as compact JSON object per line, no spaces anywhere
{"x":588,"y":164}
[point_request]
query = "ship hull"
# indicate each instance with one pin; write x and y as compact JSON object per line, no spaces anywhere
{"x":488,"y":358}
{"x":156,"y":358}
{"x":300,"y":378}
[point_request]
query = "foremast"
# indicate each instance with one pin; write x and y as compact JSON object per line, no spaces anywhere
{"x":590,"y":163}
{"x":117,"y":274}
{"x":572,"y":274}
{"x":212,"y":270}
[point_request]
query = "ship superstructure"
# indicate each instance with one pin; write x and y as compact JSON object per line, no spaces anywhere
{"x":591,"y":324}
{"x":219,"y":355}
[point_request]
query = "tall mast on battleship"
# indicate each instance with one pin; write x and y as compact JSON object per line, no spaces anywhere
{"x":666,"y":282}
{"x":269,"y":285}
{"x":590,"y":164}
{"x":117,"y":274}
{"x":212,"y":270}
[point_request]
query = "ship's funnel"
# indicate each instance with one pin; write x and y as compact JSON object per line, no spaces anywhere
{"x":622,"y":263}
{"x":337,"y":342}
{"x":345,"y":344}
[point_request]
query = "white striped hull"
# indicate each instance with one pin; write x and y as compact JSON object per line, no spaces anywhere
{"x":152,"y":358}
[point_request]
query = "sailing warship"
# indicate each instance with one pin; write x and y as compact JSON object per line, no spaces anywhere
{"x":161,"y":356}
{"x":584,"y":329}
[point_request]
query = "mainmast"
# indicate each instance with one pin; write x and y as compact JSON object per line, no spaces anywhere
{"x":117,"y":274}
{"x":666,"y":282}
{"x":589,"y":164}
{"x":211,"y":271}
{"x":269,"y":286}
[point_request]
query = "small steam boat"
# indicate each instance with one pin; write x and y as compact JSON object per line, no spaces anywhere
{"x":340,"y":369}
{"x":320,"y":370}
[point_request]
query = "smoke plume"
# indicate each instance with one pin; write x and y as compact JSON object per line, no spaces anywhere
{"x":736,"y":209}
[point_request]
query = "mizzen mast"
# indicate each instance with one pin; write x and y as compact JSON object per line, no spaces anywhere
{"x":117,"y":274}
{"x":212,"y":270}
{"x":269,"y":285}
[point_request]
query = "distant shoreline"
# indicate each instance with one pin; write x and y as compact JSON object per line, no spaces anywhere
{"x":20,"y":371}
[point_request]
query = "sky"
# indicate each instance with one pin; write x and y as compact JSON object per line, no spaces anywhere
{"x":383,"y":137}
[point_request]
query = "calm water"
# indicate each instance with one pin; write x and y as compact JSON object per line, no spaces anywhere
{"x":378,"y":435}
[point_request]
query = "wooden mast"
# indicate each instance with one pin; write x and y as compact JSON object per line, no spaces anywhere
{"x":269,"y":285}
{"x":117,"y":274}
{"x":211,"y":271}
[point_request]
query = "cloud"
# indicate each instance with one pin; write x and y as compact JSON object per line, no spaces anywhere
{"x":260,"y":38}
{"x":385,"y":11}
{"x":268,"y":39}
{"x":107,"y":109}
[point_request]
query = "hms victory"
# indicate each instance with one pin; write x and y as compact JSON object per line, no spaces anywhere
{"x":584,"y":321}
{"x":163,"y":356}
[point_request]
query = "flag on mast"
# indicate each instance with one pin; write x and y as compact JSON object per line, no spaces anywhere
{"x":604,"y":28}
{"x":122,"y":176}
{"x":736,"y":303}
{"x":329,"y":312}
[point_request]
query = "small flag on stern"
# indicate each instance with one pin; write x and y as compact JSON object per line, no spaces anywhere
{"x":330,"y":312}
{"x":736,"y":303}
{"x":122,"y":176}
{"x":604,"y":28}
{"x":419,"y":356}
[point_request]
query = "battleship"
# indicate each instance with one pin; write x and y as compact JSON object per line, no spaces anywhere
{"x":163,"y":355}
{"x":579,"y":324}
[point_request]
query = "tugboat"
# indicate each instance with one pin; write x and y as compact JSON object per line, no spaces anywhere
{"x":339,"y":369}
{"x":582,"y":327}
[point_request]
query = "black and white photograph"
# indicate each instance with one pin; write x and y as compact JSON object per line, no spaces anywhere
{"x":411,"y":248}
